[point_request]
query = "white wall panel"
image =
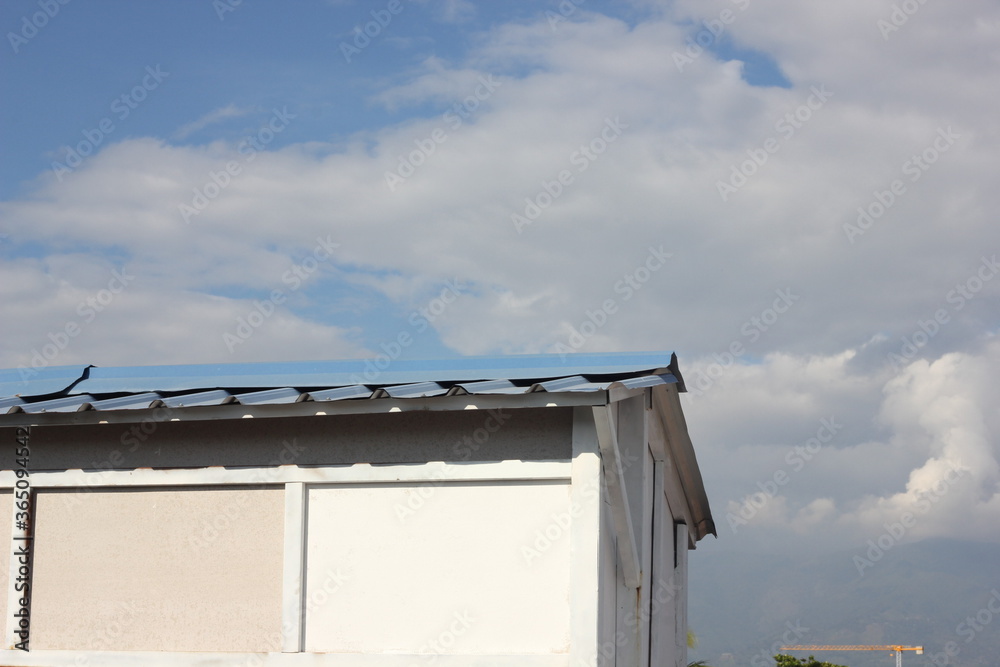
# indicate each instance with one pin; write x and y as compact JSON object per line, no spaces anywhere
{"x":438,"y":568}
{"x":6,"y":515}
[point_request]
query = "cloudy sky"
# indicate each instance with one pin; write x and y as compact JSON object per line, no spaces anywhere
{"x":799,"y":198}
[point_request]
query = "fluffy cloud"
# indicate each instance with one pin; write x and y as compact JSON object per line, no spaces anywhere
{"x":71,"y":309}
{"x":837,"y":453}
{"x":941,"y":409}
{"x":650,"y":181}
{"x":591,"y":190}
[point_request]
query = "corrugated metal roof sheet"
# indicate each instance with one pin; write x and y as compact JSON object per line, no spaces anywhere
{"x":415,"y":390}
{"x":72,"y":388}
{"x":341,"y":393}
{"x":270,"y":396}
{"x":214,"y":397}
{"x":129,"y":402}
{"x":64,"y":404}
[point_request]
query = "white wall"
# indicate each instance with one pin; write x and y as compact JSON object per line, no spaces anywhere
{"x":445,"y":568}
{"x":6,"y":516}
{"x":645,"y":627}
{"x":484,"y":560}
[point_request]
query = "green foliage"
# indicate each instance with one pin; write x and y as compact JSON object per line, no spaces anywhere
{"x":789,"y":661}
{"x":692,"y":643}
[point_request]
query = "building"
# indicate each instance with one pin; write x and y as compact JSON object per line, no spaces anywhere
{"x":534,"y":511}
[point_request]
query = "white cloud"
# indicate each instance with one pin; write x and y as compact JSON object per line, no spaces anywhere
{"x":74,"y":310}
{"x":919,"y":448}
{"x":940,"y":408}
{"x":655,"y":185}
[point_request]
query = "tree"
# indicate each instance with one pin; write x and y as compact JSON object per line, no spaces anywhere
{"x":789,"y":661}
{"x":692,"y":643}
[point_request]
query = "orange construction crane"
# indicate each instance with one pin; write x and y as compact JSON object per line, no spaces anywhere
{"x":896,"y":649}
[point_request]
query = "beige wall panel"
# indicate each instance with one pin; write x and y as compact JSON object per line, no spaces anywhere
{"x":172,"y":570}
{"x":450,"y":568}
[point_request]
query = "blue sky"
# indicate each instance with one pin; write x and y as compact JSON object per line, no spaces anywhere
{"x":252,"y":56}
{"x":798,"y":198}
{"x":249,"y":57}
{"x":193,"y":73}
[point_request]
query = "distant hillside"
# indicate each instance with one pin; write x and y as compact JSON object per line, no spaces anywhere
{"x":741,"y":605}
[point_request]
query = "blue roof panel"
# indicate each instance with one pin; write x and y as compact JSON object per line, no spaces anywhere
{"x":129,"y":402}
{"x":489,"y":386}
{"x":562,"y":384}
{"x":307,"y":374}
{"x":341,"y":393}
{"x":68,"y":388}
{"x":9,"y":402}
{"x":648,"y":381}
{"x":214,"y":397}
{"x":64,"y":404}
{"x":270,"y":396}
{"x":416,"y":390}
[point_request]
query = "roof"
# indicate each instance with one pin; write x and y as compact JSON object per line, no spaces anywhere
{"x":82,"y":388}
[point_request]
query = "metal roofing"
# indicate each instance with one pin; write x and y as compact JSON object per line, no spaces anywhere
{"x":75,"y":388}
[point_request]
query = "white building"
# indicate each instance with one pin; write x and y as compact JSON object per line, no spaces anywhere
{"x":529,"y":511}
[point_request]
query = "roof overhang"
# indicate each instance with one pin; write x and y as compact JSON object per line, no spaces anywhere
{"x":89,"y":394}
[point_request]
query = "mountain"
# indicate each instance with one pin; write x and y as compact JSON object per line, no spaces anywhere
{"x":744,"y":606}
